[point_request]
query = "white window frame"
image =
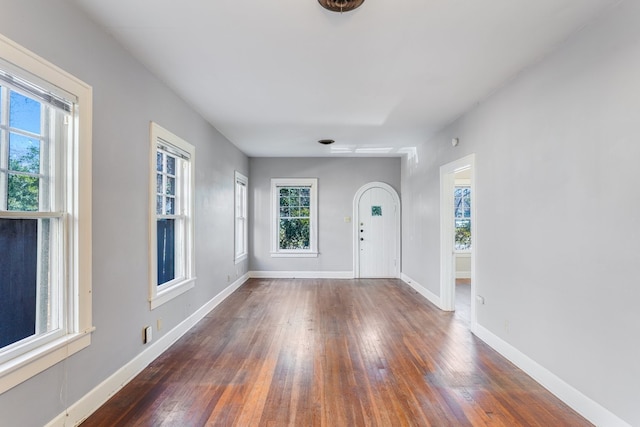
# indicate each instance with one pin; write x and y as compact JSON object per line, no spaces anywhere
{"x":461,"y":183}
{"x":241,"y":228}
{"x":74,"y":216}
{"x":276,"y":184}
{"x":185,"y":184}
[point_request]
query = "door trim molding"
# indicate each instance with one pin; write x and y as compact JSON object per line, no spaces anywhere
{"x":356,"y":222}
{"x":447,"y":259}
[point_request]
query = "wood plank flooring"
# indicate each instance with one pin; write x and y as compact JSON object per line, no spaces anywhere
{"x":331,"y":353}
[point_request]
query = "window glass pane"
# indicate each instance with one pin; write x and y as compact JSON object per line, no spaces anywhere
{"x":24,"y":113}
{"x":284,"y":212}
{"x":159,"y":205}
{"x":159,"y":183}
{"x":22,"y":194}
{"x":18,"y":279}
{"x":171,"y":165}
{"x":284,"y":201}
{"x":294,"y":233}
{"x":284,"y":192}
{"x":24,"y":154}
{"x":171,"y":186}
{"x":294,"y":212}
{"x":463,"y":234}
{"x":166,"y":250}
{"x":159,"y":158}
{"x":304,"y":201}
{"x":170,"y":206}
{"x":304,"y":191}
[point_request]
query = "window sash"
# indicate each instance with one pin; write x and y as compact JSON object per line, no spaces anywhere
{"x":51,"y":309}
{"x":240,"y":212}
{"x":176,"y":186}
{"x":294,"y":183}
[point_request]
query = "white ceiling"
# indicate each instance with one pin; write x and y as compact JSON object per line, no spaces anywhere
{"x":276,"y":76}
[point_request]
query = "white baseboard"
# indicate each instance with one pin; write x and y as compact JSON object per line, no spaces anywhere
{"x":433,"y":298}
{"x":89,"y":403}
{"x":301,"y":274}
{"x":580,"y":403}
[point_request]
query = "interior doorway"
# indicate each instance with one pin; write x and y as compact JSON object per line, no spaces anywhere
{"x":376,"y":208}
{"x":458,"y":240}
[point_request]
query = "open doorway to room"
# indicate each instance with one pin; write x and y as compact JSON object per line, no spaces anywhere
{"x":457,"y":239}
{"x":462,"y":244}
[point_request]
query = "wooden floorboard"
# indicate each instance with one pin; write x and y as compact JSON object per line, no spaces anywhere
{"x":331,"y":353}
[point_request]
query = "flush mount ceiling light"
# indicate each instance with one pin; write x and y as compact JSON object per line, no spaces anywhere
{"x":326,"y":141}
{"x":340,"y":5}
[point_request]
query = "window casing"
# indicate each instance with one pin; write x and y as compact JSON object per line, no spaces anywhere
{"x":294,"y":217}
{"x":171,"y":224}
{"x":241,"y":226}
{"x":462,"y":218}
{"x":45,"y":215}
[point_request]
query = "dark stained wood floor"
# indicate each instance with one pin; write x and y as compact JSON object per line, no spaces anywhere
{"x":331,"y":353}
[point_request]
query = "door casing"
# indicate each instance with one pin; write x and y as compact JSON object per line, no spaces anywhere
{"x":447,"y":258}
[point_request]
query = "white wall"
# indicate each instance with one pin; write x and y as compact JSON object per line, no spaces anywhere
{"x":557,"y":154}
{"x":338,"y":181}
{"x":126,"y":98}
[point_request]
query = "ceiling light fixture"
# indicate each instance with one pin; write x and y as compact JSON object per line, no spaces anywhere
{"x":326,"y":141}
{"x":340,"y":5}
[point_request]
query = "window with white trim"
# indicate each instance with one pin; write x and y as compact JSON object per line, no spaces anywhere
{"x":462,"y":217}
{"x":294,"y":217}
{"x":171,"y":224}
{"x":45,"y":215}
{"x":241,"y":226}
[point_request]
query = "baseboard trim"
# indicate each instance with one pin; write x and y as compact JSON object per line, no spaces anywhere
{"x":301,"y":274}
{"x":588,"y":408}
{"x":89,"y":403}
{"x":433,"y":298}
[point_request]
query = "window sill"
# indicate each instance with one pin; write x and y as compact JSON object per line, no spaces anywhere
{"x":168,"y":294}
{"x":25,"y":366}
{"x":294,"y":254}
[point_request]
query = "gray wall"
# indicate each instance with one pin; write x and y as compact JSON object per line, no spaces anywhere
{"x":338,"y":181}
{"x":557,"y":201}
{"x":126,"y":98}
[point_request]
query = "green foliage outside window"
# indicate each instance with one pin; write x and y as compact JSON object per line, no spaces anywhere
{"x":22,"y":194}
{"x":294,"y":224}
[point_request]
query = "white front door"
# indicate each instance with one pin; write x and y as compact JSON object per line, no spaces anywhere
{"x":377,"y":233}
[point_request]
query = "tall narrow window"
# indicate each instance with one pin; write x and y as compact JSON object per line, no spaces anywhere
{"x":462,"y":218}
{"x":241,"y":226}
{"x":171,"y":267}
{"x":45,"y":223}
{"x":294,"y":214}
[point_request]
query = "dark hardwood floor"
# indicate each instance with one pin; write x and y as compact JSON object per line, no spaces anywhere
{"x":331,"y":353}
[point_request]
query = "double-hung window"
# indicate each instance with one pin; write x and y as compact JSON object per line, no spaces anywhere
{"x":45,"y":215}
{"x":294,"y":217}
{"x":462,"y":217}
{"x":171,"y":224}
{"x":241,"y":226}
